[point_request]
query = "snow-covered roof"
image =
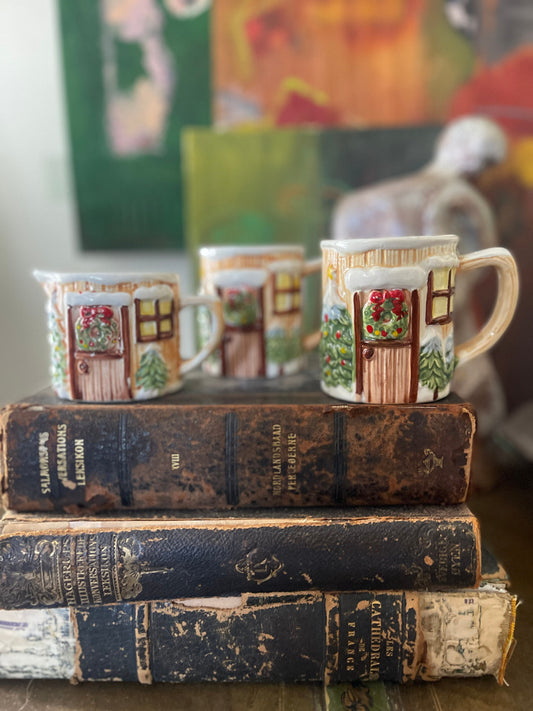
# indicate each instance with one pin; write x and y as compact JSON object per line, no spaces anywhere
{"x":219,"y":252}
{"x":385,"y":278}
{"x":97,"y":298}
{"x":408,"y":277}
{"x":104,"y":278}
{"x":158,"y":291}
{"x":356,"y":246}
{"x":240,"y":277}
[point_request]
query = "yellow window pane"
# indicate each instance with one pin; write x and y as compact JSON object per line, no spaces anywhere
{"x":452,"y":280}
{"x":440,"y":279}
{"x":165,"y":307}
{"x":282,"y":302}
{"x":148,"y":328}
{"x":296,"y":300}
{"x":147,"y":307}
{"x":451,"y":303}
{"x":165,"y":325}
{"x":283,"y":281}
{"x":440,"y":306}
{"x":296,"y":281}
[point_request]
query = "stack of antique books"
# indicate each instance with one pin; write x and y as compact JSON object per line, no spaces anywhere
{"x":245,"y":531}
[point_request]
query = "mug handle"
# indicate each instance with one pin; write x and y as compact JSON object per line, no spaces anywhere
{"x":311,"y":340}
{"x":217,"y":328}
{"x":505,"y":304}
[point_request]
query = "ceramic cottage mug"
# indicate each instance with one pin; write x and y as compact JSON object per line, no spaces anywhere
{"x":387,"y":328}
{"x":117,"y":336}
{"x":260,"y":287}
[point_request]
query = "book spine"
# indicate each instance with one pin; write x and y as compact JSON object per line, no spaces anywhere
{"x":392,"y":636}
{"x":276,"y":639}
{"x":91,"y":458}
{"x":81,"y":565}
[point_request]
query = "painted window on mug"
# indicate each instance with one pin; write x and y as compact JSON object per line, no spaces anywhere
{"x":154,"y":318}
{"x":287,"y":293}
{"x":441,"y":289}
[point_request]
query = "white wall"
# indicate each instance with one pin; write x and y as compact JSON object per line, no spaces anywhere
{"x":37,"y":212}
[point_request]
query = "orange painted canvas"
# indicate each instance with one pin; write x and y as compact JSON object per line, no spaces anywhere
{"x":335,"y":62}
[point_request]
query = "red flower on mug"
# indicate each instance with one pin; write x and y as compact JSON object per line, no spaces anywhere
{"x":376,"y":313}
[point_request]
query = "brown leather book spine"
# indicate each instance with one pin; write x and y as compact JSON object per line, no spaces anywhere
{"x":164,"y":454}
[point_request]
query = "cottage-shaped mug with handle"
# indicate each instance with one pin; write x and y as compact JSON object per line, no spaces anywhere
{"x":387,"y":316}
{"x":262,"y":294}
{"x":117,"y":336}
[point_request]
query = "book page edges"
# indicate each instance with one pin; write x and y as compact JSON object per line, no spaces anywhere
{"x":13,"y":523}
{"x":467,"y":633}
{"x":510,"y":642}
{"x":469,"y":451}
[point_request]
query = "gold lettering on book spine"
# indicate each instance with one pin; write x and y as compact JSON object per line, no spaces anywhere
{"x":292,"y":461}
{"x":276,"y":460}
{"x":350,"y":647}
{"x":93,"y":564}
{"x":79,"y":461}
{"x":82,"y":571}
{"x":44,"y":464}
{"x":61,"y":455}
{"x":375,"y":639}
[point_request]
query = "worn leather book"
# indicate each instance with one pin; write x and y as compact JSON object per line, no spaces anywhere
{"x":223,"y":443}
{"x":53,"y":560}
{"x":275,"y":637}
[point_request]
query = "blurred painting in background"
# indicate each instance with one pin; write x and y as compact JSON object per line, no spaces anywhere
{"x":136,"y":72}
{"x":267,"y":185}
{"x":214,"y":121}
{"x":335,"y":62}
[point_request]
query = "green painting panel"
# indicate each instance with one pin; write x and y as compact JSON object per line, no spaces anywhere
{"x":132,"y":83}
{"x":269,"y":185}
{"x":252,"y":187}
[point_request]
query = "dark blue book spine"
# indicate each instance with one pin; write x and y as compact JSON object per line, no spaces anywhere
{"x":82,"y":563}
{"x":277,"y":638}
{"x":107,"y":642}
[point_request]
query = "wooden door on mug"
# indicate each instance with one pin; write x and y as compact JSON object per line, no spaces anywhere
{"x":387,"y":361}
{"x":243,"y":343}
{"x":99,"y":366}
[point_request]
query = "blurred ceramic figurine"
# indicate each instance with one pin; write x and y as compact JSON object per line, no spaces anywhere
{"x":437,"y":200}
